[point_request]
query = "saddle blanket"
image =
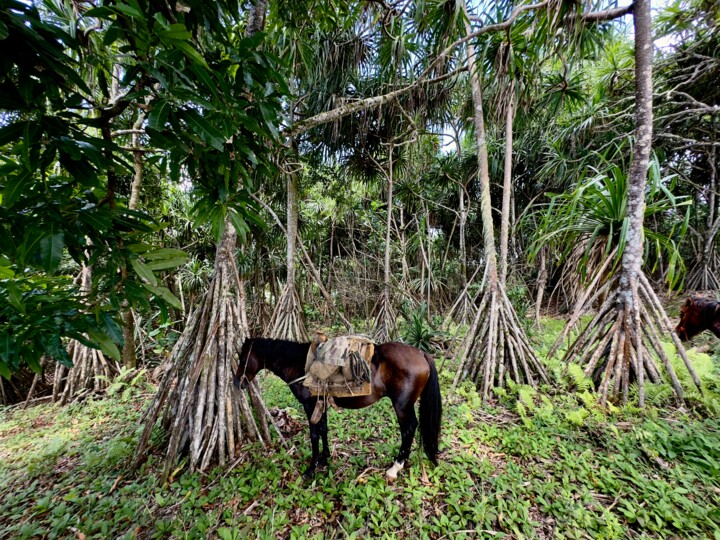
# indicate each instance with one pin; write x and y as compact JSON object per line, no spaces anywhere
{"x":340,"y":366}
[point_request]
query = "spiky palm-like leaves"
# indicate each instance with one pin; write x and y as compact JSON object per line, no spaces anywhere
{"x":589,"y":224}
{"x":589,"y":227}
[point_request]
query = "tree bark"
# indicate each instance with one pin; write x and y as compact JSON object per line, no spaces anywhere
{"x":384,"y":325}
{"x":507,"y":186}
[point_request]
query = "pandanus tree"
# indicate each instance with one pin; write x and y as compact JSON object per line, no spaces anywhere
{"x":496,"y":345}
{"x":233,"y":127}
{"x":623,"y":338}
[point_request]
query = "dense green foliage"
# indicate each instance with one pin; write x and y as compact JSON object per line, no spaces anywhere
{"x":73,"y":77}
{"x":550,"y":466}
{"x":133,"y":132}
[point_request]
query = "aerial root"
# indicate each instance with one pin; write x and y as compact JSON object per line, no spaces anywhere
{"x":204,"y":415}
{"x":496,"y":347}
{"x":287,"y":321}
{"x":622,"y":342}
{"x":384,"y":326}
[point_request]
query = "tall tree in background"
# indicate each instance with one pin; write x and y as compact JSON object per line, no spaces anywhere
{"x":496,"y":345}
{"x":618,"y":344}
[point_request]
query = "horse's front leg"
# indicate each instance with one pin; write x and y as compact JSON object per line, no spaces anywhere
{"x":317,"y":431}
{"x":407,"y":420}
{"x":323,"y":428}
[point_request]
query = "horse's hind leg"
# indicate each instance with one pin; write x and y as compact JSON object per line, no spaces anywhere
{"x":408,"y":425}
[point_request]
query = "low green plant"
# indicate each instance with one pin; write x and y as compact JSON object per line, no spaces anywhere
{"x":419,"y":332}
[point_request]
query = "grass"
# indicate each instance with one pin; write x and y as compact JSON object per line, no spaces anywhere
{"x":541,"y":466}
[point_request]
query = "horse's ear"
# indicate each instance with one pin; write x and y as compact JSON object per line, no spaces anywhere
{"x":688,"y":303}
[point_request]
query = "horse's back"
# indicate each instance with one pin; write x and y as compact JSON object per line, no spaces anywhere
{"x":402,"y":368}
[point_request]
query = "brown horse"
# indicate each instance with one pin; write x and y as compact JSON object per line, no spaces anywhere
{"x":696,"y":315}
{"x":400,"y":372}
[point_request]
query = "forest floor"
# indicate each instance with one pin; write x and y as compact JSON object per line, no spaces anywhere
{"x":529,"y":465}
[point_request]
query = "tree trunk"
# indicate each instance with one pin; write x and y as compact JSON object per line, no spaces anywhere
{"x":205,"y":417}
{"x":496,"y":345}
{"x":129,"y":358}
{"x":91,"y":371}
{"x":616,"y":347}
{"x":507,"y":187}
{"x":385,"y":319}
{"x":287,"y":321}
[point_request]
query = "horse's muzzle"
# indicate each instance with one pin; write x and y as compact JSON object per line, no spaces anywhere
{"x":682,"y":333}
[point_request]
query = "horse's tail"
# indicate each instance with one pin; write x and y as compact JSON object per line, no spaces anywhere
{"x":431,"y":413}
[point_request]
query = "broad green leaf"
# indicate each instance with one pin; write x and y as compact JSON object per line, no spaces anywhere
{"x":165,"y":294}
{"x":106,"y":344}
{"x":15,"y":185}
{"x":8,"y":349}
{"x":164,"y":264}
{"x":143,"y":271}
{"x":15,"y":296}
{"x":203,"y":74}
{"x":139,"y":248}
{"x":175,"y":31}
{"x":239,"y":224}
{"x":158,"y":115}
{"x":111,"y":327}
{"x":51,"y":249}
{"x":165,"y":253}
{"x":190,"y":52}
{"x":4,"y":33}
{"x":206,"y":131}
{"x":130,"y":11}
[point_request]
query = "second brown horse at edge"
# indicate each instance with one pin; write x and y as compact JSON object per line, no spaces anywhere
{"x":696,"y":315}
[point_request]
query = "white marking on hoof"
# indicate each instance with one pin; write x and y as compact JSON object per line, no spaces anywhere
{"x":393,"y":471}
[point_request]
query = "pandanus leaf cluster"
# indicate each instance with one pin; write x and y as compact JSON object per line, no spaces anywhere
{"x":590,"y":222}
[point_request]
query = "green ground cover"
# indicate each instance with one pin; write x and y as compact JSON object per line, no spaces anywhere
{"x":530,"y":465}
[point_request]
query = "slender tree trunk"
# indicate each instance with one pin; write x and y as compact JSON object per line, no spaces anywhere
{"x":129,"y":358}
{"x":385,"y":320}
{"x":617,"y":345}
{"x":496,"y":346}
{"x":287,"y":321}
{"x":507,"y":186}
{"x":704,"y":274}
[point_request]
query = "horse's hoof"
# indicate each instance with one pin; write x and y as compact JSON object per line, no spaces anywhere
{"x":392,"y":473}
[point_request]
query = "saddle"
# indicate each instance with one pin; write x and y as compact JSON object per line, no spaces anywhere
{"x":338,"y":367}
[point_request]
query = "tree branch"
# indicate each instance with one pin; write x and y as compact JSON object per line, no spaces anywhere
{"x":607,"y":15}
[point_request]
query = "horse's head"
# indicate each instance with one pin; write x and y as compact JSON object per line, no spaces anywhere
{"x":696,"y":315}
{"x":248,"y":365}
